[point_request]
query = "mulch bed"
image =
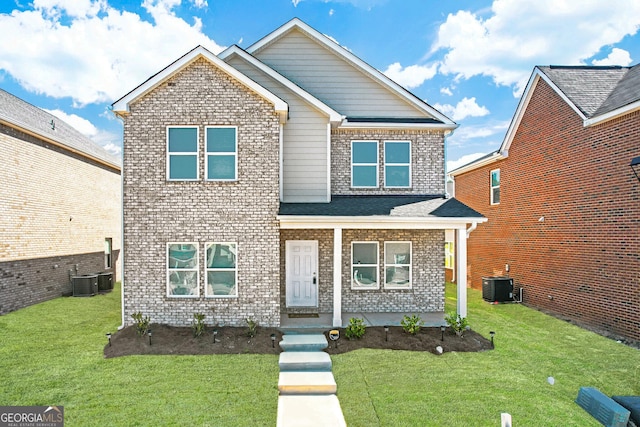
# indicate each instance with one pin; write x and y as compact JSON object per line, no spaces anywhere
{"x":234,"y":340}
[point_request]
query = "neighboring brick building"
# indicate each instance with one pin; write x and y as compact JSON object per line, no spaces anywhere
{"x":562,"y":202}
{"x":59,"y":206}
{"x":247,"y":197}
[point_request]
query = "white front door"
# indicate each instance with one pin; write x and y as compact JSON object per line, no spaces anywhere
{"x":302,"y":273}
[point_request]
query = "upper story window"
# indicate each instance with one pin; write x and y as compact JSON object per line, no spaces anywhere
{"x":495,"y":187}
{"x":221,"y":153}
{"x":397,"y":164}
{"x":182,"y":153}
{"x":364,"y":164}
{"x":108,"y":246}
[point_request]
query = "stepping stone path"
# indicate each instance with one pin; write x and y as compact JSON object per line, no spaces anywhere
{"x":306,"y":384}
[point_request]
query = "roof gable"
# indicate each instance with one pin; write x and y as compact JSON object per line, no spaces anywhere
{"x":318,"y":57}
{"x":121,"y":106}
{"x":596,"y":94}
{"x":229,"y":53}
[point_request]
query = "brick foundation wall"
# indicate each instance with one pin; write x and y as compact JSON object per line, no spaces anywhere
{"x":427,"y":158}
{"x":427,"y":293}
{"x":57,"y":210}
{"x":157,"y":211}
{"x":582,"y":262}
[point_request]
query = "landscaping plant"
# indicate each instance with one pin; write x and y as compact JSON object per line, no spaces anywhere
{"x":142,"y":323}
{"x":198,"y":325}
{"x":252,"y":328}
{"x":458,"y":323}
{"x":411,"y":324}
{"x":355,"y":329}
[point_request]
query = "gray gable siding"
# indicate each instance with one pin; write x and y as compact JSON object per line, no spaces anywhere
{"x":305,"y":175}
{"x":332,"y":79}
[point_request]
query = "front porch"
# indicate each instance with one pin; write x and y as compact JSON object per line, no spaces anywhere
{"x":325,"y":320}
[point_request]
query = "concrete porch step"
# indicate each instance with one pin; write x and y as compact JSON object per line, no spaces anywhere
{"x":303,"y":342}
{"x":310,"y":411}
{"x":304,"y":361}
{"x":302,"y":383}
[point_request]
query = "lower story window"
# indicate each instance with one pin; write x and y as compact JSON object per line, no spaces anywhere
{"x":397,"y":265}
{"x":364,"y":265}
{"x":182,"y":270}
{"x":221,"y":270}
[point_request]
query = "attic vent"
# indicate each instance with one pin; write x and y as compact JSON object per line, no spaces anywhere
{"x":171,"y":84}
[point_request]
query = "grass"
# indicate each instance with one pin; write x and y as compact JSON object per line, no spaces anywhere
{"x":51,"y":354}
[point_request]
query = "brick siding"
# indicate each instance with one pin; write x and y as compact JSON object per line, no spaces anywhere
{"x":583,"y":261}
{"x":157,"y":212}
{"x":427,"y":160}
{"x":57,"y":209}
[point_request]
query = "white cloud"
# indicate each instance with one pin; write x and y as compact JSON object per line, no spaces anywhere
{"x":616,"y":57}
{"x":520,"y":34}
{"x":467,"y":158}
{"x":446,"y":91}
{"x":91,"y":52}
{"x":463,"y":109}
{"x":412,"y":76}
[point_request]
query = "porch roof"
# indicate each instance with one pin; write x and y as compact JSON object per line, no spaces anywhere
{"x":406,"y":206}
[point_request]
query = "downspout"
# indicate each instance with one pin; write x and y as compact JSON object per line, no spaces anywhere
{"x":474,"y":225}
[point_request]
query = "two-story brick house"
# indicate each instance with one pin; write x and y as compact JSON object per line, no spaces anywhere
{"x":60,"y":204}
{"x":562,"y":202}
{"x":288,"y":177}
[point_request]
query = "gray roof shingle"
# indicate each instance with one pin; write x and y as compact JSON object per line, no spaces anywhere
{"x":20,"y":113}
{"x":596,"y":90}
{"x":405,"y":206}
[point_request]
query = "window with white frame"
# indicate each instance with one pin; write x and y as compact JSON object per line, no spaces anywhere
{"x":397,"y":164}
{"x":449,"y":255}
{"x":364,"y":164}
{"x":364,"y":265}
{"x":108,"y":247}
{"x":221,"y":270}
{"x":397,"y":265}
{"x":495,"y":186}
{"x":221,"y":153}
{"x":182,"y":270}
{"x":182,"y":153}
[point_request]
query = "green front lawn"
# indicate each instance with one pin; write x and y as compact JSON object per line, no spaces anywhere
{"x":51,"y":354}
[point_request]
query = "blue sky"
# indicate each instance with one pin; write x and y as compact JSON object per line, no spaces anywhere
{"x":469,"y":59}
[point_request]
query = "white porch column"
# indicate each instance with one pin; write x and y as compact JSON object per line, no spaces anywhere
{"x":461,"y":270}
{"x":337,"y":277}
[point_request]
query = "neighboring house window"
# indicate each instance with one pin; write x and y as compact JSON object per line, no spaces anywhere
{"x":364,"y":164}
{"x":397,"y":164}
{"x":495,"y":186}
{"x":182,"y":270}
{"x":449,"y":255}
{"x":108,"y":244}
{"x":182,"y":153}
{"x":364,"y":265}
{"x":221,"y":269}
{"x":397,"y":265}
{"x":222,"y":153}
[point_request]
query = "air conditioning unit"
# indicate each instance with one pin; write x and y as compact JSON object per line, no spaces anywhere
{"x":85,"y":285}
{"x":497,"y":289}
{"x":602,"y":408}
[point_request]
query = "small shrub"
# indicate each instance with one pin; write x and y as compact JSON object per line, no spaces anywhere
{"x":458,"y":323}
{"x":142,"y":323}
{"x":411,"y":324}
{"x":252,"y":328}
{"x":198,"y":326}
{"x":355,"y":329}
